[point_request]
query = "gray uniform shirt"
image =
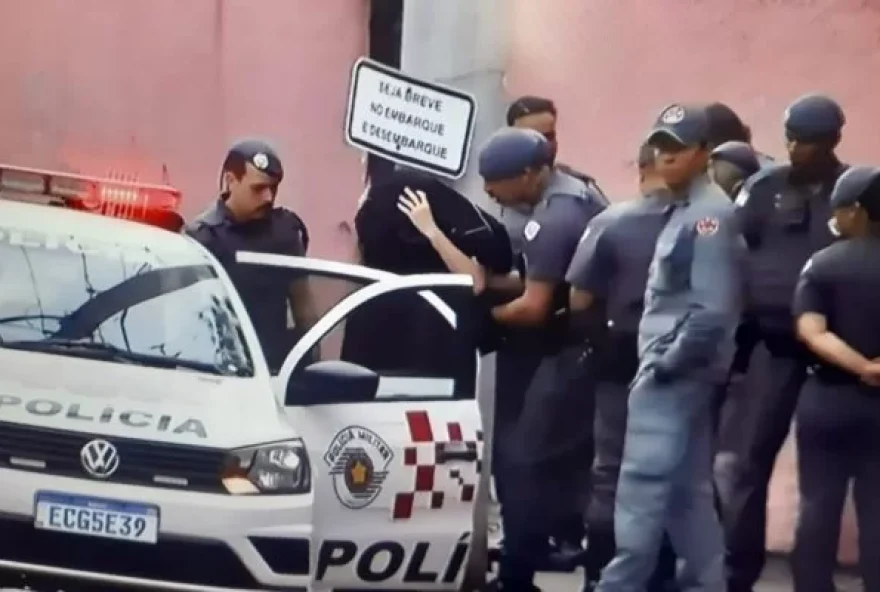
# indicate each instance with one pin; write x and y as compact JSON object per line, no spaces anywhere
{"x":516,"y":219}
{"x":551,"y":235}
{"x":695,"y":290}
{"x":612,"y":259}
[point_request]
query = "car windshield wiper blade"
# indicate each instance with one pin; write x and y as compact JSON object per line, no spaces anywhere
{"x":108,"y":352}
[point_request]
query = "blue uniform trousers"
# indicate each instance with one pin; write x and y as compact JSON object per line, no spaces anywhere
{"x":666,"y":486}
{"x":543,"y":454}
{"x":610,"y":431}
{"x":838,"y":441}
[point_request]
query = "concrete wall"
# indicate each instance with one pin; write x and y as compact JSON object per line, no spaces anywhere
{"x":612,"y":64}
{"x":130,"y":87}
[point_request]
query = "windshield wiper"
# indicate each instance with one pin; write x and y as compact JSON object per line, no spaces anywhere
{"x":111,"y":353}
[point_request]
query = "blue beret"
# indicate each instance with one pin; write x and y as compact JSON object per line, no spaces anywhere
{"x":813,"y":116}
{"x":509,"y":152}
{"x":857,"y":185}
{"x":738,"y":154}
{"x":686,"y":124}
{"x":258,"y":154}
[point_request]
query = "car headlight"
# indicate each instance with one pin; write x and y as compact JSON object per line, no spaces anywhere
{"x":269,"y":469}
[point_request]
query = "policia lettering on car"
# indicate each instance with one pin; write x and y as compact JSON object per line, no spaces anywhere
{"x":129,"y":417}
{"x":383,"y":560}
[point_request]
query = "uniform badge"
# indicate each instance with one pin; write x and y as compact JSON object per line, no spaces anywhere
{"x":358,"y":461}
{"x":531,"y":230}
{"x":261,"y":161}
{"x":707,"y":226}
{"x":672,"y":115}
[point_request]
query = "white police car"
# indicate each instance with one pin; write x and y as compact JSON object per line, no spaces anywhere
{"x":144,"y":442}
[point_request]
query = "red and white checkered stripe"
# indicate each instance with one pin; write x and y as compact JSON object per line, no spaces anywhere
{"x":433,"y":485}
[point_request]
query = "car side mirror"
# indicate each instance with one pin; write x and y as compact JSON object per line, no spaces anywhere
{"x":331,"y":382}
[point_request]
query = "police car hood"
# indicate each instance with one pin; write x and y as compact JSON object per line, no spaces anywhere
{"x":125,"y":400}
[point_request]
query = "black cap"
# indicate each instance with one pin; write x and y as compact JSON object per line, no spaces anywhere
{"x":813,"y":116}
{"x":685,"y":124}
{"x":858,"y":185}
{"x":509,"y":152}
{"x":258,"y":154}
{"x":738,"y":154}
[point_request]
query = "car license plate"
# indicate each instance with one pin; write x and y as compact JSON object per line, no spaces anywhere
{"x":76,"y":514}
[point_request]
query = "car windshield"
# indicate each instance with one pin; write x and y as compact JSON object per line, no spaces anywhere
{"x":127,"y":304}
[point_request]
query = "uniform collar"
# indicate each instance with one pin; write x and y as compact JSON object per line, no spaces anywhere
{"x":694,"y":189}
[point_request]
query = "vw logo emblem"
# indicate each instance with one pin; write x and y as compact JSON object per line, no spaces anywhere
{"x":99,"y":458}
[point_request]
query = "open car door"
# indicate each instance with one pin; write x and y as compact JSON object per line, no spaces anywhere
{"x":382,"y":389}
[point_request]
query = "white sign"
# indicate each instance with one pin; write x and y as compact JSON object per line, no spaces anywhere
{"x":412,"y":122}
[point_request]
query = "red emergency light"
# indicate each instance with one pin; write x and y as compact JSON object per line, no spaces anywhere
{"x":152,"y":204}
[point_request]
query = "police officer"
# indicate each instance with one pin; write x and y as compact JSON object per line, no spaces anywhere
{"x":730,"y":164}
{"x":726,"y":126}
{"x":245,"y":218}
{"x":543,"y":396}
{"x":686,"y":343}
{"x":540,"y":114}
{"x":413,"y":223}
{"x":610,"y":267}
{"x":784,"y":212}
{"x":837,"y":308}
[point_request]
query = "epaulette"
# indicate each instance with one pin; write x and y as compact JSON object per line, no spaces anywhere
{"x":285,"y":215}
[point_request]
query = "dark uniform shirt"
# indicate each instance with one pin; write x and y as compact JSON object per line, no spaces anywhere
{"x":842,"y":283}
{"x":264,"y":293}
{"x":784,"y":223}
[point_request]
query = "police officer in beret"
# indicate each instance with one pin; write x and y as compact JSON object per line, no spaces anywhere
{"x":784,"y":212}
{"x":610,"y":268}
{"x":730,"y":164}
{"x":837,"y":310}
{"x":245,"y":218}
{"x":692,"y":308}
{"x":543,"y":426}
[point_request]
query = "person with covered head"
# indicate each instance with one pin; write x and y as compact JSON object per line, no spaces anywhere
{"x":388,"y":240}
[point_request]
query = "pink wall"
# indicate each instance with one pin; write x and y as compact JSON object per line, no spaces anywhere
{"x":612,"y":64}
{"x":126,"y":86}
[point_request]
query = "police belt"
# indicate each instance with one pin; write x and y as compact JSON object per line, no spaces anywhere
{"x":555,"y":336}
{"x":833,"y":376}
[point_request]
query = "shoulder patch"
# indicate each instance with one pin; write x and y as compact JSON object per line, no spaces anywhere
{"x":531,"y":230}
{"x":707,"y":226}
